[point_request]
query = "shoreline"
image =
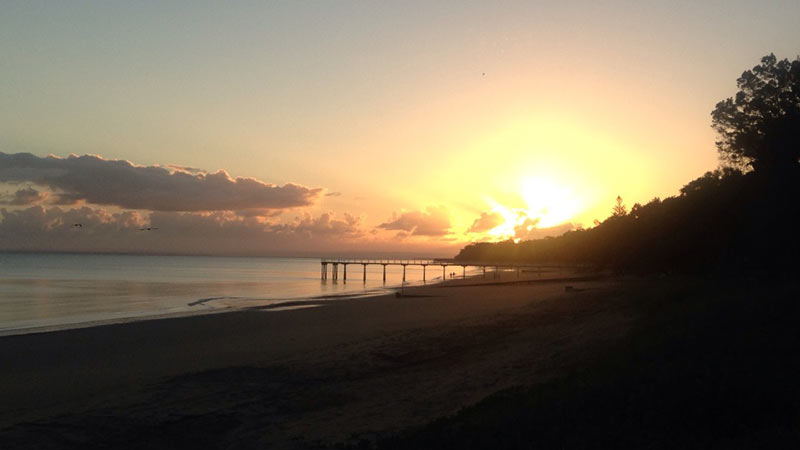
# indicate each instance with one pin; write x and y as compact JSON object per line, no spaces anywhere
{"x":277,"y":305}
{"x":270,"y":305}
{"x":428,"y":353}
{"x":42,"y":294}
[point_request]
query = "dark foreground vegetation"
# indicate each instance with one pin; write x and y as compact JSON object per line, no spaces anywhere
{"x":708,"y":366}
{"x":724,"y":221}
{"x":741,"y":217}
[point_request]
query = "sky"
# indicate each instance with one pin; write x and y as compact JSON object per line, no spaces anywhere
{"x":317,"y":128}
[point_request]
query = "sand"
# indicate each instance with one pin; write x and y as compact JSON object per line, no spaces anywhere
{"x":344,"y":371}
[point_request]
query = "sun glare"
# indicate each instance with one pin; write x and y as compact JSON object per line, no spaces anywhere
{"x":547,"y":204}
{"x":505,"y":229}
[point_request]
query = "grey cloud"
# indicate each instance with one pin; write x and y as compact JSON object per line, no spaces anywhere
{"x":186,"y":168}
{"x":259,"y":212}
{"x":333,"y":194}
{"x":486,"y":222}
{"x":25,"y":196}
{"x":434,"y":221}
{"x":121,"y":183}
{"x":327,"y":225}
{"x":40,"y":229}
{"x":221,"y":232}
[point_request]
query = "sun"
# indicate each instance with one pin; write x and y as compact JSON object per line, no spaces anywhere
{"x":552,"y":204}
{"x":547,"y":204}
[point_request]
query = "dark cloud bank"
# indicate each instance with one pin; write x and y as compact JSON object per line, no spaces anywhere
{"x":187,"y":210}
{"x":120,"y":183}
{"x":52,"y":229}
{"x":220,"y":233}
{"x":24,"y":197}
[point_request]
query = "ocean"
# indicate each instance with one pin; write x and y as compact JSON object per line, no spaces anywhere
{"x":54,"y":291}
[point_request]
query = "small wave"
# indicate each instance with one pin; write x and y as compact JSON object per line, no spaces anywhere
{"x":200,"y":301}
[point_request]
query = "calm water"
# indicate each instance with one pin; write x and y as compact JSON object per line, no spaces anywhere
{"x":64,"y":290}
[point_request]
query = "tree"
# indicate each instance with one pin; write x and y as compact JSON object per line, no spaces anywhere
{"x":619,"y":209}
{"x":711,"y":181}
{"x":759,"y":127}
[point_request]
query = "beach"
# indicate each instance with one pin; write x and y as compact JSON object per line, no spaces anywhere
{"x":630,"y":361}
{"x":349,"y":368}
{"x":399,"y":226}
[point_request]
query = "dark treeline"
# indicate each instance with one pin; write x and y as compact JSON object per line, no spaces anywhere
{"x":720,"y":221}
{"x":740,"y":217}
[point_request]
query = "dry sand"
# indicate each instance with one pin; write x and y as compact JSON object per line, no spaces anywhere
{"x":344,"y":371}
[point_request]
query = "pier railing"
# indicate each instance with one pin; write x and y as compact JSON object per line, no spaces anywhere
{"x":424,"y":263}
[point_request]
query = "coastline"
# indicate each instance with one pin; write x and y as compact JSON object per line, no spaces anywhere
{"x":67,"y":371}
{"x":47,"y":292}
{"x":270,"y":304}
{"x":287,"y":303}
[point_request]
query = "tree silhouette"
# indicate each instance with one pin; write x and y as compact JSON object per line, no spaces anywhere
{"x":759,"y":127}
{"x":726,"y":222}
{"x":619,"y":209}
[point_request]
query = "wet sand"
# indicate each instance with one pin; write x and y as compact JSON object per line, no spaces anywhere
{"x":344,"y":371}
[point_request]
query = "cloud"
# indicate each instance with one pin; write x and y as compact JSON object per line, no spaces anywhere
{"x":221,"y":232}
{"x":120,"y":183}
{"x":327,"y":225}
{"x":52,"y":229}
{"x":25,"y":196}
{"x":402,"y":235}
{"x":486,"y":222}
{"x":259,"y":212}
{"x":527,"y":230}
{"x":186,"y":168}
{"x":434,"y":221}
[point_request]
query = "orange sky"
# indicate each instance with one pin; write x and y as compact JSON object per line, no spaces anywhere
{"x":414,"y":120}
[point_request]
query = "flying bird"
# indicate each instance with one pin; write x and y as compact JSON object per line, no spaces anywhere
{"x":148,"y":229}
{"x":80,"y":225}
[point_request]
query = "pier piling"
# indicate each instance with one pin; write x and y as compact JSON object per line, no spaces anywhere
{"x":424,"y":263}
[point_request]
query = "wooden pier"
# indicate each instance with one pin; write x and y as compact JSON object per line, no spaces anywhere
{"x":424,"y":263}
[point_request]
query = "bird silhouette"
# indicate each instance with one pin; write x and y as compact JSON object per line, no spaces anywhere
{"x":148,"y":229}
{"x":79,"y":225}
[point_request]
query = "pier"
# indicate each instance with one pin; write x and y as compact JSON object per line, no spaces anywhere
{"x":424,"y":263}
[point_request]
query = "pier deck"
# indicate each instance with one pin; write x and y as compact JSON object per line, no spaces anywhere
{"x":424,"y":263}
